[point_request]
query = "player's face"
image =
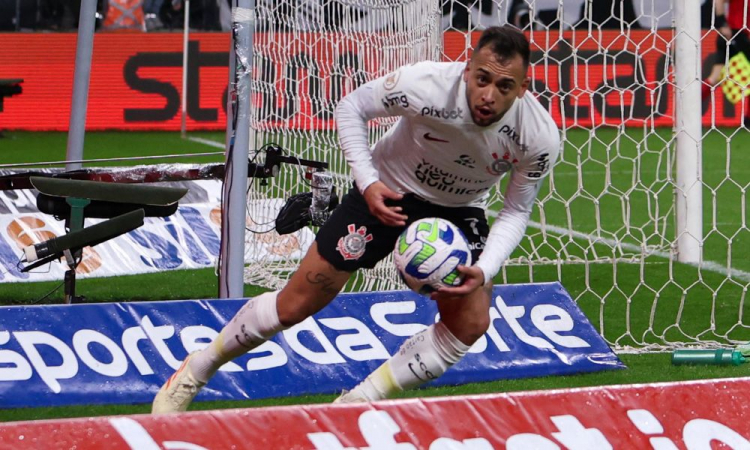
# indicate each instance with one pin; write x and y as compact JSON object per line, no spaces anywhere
{"x":493,"y":85}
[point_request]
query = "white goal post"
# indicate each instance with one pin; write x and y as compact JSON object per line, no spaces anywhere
{"x":621,"y":221}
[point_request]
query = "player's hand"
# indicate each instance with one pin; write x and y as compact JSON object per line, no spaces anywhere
{"x":473,"y":280}
{"x":375,"y":195}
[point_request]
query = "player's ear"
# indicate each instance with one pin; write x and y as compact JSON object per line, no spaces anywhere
{"x":466,"y":71}
{"x":524,"y":86}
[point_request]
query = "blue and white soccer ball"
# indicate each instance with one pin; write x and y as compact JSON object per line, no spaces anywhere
{"x":428,"y":253}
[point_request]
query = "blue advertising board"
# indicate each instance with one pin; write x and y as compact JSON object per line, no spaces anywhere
{"x":123,"y":352}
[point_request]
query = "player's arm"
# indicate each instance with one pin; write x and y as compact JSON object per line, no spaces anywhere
{"x":509,"y":227}
{"x":505,"y":235}
{"x":384,"y":97}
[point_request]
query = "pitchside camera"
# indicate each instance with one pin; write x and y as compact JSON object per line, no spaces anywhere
{"x":55,"y":248}
{"x":301,"y":210}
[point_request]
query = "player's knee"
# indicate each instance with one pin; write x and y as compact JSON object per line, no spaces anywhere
{"x":471,"y":329}
{"x":475,"y":325}
{"x":477,"y":328}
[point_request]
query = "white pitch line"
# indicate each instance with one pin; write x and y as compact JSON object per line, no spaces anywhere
{"x":206,"y":142}
{"x":711,"y":266}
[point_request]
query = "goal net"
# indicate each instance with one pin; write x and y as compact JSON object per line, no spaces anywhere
{"x":646,"y":231}
{"x":306,"y":58}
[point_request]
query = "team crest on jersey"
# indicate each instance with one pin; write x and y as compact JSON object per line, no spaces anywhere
{"x":352,"y":246}
{"x":500,"y":165}
{"x":391,"y":80}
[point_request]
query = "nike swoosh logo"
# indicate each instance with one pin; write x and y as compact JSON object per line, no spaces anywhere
{"x":430,"y":138}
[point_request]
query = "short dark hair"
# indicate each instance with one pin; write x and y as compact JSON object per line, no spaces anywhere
{"x":505,"y":42}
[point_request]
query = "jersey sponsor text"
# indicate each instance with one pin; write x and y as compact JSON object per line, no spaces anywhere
{"x":442,"y":113}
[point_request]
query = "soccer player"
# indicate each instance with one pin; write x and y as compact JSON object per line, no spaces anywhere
{"x":462,"y":126}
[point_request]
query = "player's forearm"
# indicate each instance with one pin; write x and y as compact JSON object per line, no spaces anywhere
{"x":509,"y":227}
{"x":505,"y":235}
{"x":351,"y":121}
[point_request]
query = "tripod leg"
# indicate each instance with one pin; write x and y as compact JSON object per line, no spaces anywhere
{"x":70,"y":286}
{"x":70,"y":277}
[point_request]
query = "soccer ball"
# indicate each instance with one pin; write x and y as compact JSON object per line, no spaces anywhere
{"x":428,"y":252}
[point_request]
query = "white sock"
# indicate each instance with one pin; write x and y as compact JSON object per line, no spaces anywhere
{"x":378,"y":385}
{"x":255,"y":323}
{"x":422,"y":358}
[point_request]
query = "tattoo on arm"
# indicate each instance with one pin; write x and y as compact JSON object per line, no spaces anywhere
{"x":325,"y":283}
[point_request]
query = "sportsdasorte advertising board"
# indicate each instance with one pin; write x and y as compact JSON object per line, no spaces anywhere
{"x":136,"y":79}
{"x":123,"y":352}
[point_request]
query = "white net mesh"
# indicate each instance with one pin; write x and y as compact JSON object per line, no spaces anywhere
{"x":606,"y":222}
{"x":307,"y":57}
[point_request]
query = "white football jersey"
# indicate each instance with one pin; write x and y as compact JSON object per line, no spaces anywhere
{"x":437,"y":152}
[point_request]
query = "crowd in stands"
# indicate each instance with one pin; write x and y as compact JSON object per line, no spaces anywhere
{"x":215,"y":15}
{"x":136,"y":15}
{"x":571,"y":14}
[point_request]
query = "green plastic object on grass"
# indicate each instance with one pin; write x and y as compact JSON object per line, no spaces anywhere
{"x":744,"y":349}
{"x":720,"y":356}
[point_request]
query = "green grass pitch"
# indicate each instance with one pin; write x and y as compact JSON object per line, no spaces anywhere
{"x":614,"y":184}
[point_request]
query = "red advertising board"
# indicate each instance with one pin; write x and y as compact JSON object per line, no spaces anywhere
{"x":690,"y":415}
{"x":136,"y":79}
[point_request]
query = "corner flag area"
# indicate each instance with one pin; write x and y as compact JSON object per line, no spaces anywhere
{"x":693,"y":415}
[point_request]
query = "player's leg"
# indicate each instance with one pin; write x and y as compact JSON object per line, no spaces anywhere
{"x":341,"y":247}
{"x":312,"y":287}
{"x":429,"y":353}
{"x":315,"y":283}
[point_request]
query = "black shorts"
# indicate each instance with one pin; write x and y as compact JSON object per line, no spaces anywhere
{"x":352,"y":238}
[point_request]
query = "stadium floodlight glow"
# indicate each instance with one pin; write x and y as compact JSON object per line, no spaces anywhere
{"x":55,"y":248}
